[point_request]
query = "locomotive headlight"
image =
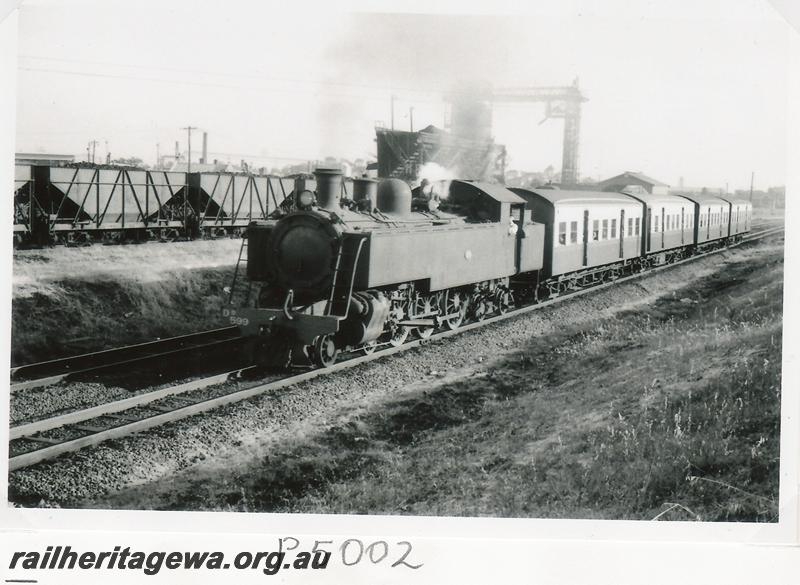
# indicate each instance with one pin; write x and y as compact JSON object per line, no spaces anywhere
{"x":305,"y":199}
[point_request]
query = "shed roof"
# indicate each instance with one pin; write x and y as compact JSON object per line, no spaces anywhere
{"x":633,"y":175}
{"x":43,"y":156}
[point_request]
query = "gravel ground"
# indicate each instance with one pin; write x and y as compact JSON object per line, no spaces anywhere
{"x":218,"y":443}
{"x":36,"y":403}
{"x":32,"y":404}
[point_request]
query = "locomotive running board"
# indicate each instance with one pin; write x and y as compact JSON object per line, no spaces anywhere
{"x":418,"y":323}
{"x":305,"y":328}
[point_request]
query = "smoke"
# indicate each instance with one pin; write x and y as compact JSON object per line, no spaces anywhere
{"x":438,"y":178}
{"x":435,"y":172}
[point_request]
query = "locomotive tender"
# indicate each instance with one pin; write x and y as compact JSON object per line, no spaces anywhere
{"x":331,"y":274}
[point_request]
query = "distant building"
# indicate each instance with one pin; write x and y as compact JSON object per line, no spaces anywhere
{"x":634,"y":181}
{"x":41,"y":158}
{"x":403,"y":154}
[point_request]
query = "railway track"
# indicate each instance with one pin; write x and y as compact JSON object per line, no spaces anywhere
{"x":53,"y":371}
{"x":48,"y":438}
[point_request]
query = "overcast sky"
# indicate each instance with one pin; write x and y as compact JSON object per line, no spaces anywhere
{"x":676,"y":89}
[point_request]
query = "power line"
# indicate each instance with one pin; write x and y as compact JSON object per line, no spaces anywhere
{"x":208,"y":84}
{"x":257,"y":75}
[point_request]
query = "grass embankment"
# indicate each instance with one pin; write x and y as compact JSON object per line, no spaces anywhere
{"x":670,"y":408}
{"x":68,"y":301}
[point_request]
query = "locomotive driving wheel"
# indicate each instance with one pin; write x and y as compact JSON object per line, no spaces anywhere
{"x":324,"y":351}
{"x":369,"y":347}
{"x":480,"y":308}
{"x":398,"y":333}
{"x":504,"y":300}
{"x":424,"y":306}
{"x":455,"y":304}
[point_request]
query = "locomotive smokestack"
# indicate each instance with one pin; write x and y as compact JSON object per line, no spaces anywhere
{"x":365,"y":189}
{"x":205,"y":148}
{"x":329,"y":188}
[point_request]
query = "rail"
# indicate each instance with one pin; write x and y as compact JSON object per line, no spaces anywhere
{"x":50,"y":372}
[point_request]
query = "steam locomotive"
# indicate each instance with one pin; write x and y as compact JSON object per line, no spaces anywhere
{"x":326,"y":275}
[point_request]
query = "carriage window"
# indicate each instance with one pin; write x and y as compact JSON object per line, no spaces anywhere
{"x":605,"y":229}
{"x":596,"y":230}
{"x":655,"y":224}
{"x":630,"y":226}
{"x":668,"y":225}
{"x":613,"y":228}
{"x":573,"y":232}
{"x":637,"y":226}
{"x":562,"y":233}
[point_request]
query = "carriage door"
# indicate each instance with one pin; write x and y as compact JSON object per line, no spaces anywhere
{"x":682,"y":224}
{"x":649,"y":228}
{"x":708,"y":224}
{"x":622,"y":233}
{"x":586,"y":237}
{"x":722,"y":228}
{"x":518,"y":215}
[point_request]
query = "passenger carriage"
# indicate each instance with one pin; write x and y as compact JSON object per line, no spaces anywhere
{"x":669,"y":226}
{"x":741,"y":216}
{"x":589,"y":235}
{"x":712,"y":215}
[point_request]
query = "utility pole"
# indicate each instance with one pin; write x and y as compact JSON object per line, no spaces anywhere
{"x":189,"y":158}
{"x":158,"y":155}
{"x":752,"y":176}
{"x":392,"y":105}
{"x":411,"y":117}
{"x":93,"y":144}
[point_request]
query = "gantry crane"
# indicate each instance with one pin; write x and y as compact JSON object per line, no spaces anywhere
{"x":560,"y":102}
